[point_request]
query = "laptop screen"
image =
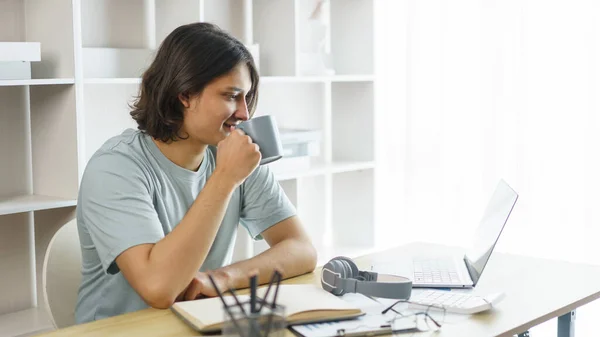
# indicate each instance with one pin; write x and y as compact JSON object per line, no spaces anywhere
{"x":494,"y":218}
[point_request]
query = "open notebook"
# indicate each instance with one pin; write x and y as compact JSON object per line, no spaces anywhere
{"x":304,"y":303}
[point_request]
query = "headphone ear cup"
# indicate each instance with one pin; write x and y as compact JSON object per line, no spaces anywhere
{"x":352,"y":269}
{"x":332,"y":269}
{"x":342,"y":270}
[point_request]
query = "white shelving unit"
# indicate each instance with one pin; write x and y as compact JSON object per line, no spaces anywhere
{"x":30,"y":203}
{"x":49,"y":81}
{"x":93,"y":53}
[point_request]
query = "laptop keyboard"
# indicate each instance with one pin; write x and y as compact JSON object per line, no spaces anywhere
{"x":434,"y":271}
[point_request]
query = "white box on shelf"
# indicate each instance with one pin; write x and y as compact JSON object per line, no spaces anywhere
{"x":298,"y":142}
{"x":15,"y":70}
{"x":16,"y":58}
{"x":298,"y":148}
{"x":20,"y":51}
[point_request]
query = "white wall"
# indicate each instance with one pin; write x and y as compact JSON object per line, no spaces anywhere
{"x":474,"y":91}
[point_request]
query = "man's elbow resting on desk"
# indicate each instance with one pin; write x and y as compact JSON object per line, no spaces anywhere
{"x":157,"y":296}
{"x":291,"y":248}
{"x":155,"y":285}
{"x":291,"y":252}
{"x":301,"y":256}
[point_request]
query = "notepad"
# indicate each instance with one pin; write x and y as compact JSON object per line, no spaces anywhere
{"x":304,"y":303}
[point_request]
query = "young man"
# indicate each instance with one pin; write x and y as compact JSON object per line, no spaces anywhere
{"x":159,"y":207}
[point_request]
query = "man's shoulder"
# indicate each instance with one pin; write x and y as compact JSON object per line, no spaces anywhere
{"x":124,"y":153}
{"x":129,"y":143}
{"x":118,"y":165}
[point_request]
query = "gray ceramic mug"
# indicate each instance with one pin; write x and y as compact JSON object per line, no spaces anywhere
{"x":264,"y":132}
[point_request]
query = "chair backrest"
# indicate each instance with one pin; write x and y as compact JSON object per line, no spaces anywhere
{"x":61,"y":275}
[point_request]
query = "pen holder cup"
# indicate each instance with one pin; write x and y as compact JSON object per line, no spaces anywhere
{"x":268,"y":322}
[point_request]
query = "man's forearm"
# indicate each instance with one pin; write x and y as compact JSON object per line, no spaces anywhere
{"x":177,"y":257}
{"x":291,"y":257}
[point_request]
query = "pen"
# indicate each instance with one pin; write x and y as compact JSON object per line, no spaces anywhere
{"x":235,"y":322}
{"x":278,"y":276}
{"x":383,"y":331}
{"x":264,"y":299}
{"x":253,"y":284}
{"x":237,"y":301}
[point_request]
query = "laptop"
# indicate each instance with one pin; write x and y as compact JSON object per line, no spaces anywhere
{"x":462,"y":271}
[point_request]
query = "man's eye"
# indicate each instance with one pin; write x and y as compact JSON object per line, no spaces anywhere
{"x":232,"y":97}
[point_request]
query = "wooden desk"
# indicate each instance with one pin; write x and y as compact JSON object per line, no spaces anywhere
{"x":536,"y":290}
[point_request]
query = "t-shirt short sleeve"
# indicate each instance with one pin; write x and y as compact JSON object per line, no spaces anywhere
{"x":116,"y":207}
{"x":264,"y":202}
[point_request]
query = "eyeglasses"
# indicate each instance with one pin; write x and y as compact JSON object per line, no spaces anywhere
{"x":428,"y":318}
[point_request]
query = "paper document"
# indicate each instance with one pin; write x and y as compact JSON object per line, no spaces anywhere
{"x":372,"y":323}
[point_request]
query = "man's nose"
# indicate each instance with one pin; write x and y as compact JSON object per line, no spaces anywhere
{"x":242,"y":112}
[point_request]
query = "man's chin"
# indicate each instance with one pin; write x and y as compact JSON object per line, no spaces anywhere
{"x":212,"y":141}
{"x":220,"y":137}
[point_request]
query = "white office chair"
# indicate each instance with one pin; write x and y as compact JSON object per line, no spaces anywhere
{"x":61,"y":275}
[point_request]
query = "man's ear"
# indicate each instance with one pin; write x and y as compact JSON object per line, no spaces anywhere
{"x":184,"y":99}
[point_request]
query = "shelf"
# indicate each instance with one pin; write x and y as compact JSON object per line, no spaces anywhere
{"x":263,"y":79}
{"x":308,"y":79}
{"x":340,"y":167}
{"x":32,"y":203}
{"x":124,"y":80}
{"x":352,"y":78}
{"x":25,"y":322}
{"x":48,"y":81}
{"x":319,"y":169}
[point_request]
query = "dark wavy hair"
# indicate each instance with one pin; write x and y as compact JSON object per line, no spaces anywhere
{"x":188,"y":59}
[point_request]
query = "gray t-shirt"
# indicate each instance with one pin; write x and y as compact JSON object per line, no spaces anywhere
{"x":132,"y":194}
